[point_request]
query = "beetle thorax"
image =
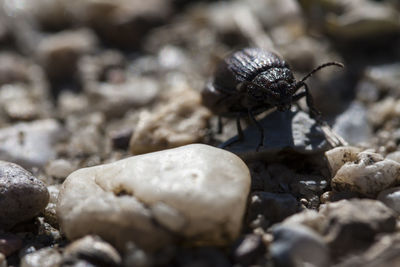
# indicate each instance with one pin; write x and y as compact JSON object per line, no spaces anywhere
{"x":275,"y":87}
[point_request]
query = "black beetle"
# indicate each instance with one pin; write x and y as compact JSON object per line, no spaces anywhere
{"x":253,"y":80}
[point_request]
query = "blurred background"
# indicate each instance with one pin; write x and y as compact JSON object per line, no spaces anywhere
{"x":86,"y":82}
{"x":97,"y":64}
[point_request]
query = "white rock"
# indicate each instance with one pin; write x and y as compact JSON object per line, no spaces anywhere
{"x":30,"y":144}
{"x":59,"y":168}
{"x":45,"y":257}
{"x":369,"y":173}
{"x":338,"y":156}
{"x":197,"y":192}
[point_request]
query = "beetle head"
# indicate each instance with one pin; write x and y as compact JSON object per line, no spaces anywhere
{"x":281,"y":93}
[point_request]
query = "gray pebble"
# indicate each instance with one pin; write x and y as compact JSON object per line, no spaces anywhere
{"x":296,"y":246}
{"x":22,"y":196}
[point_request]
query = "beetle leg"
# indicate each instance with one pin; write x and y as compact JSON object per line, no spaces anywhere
{"x":239,"y":128}
{"x":239,"y":137}
{"x":314,"y":113}
{"x":220,"y":125}
{"x":260,"y":128}
{"x":298,"y":96}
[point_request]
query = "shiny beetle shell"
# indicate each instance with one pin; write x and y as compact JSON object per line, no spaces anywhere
{"x":253,"y":65}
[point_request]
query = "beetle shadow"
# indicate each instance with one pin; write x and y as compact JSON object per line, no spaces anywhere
{"x":289,"y":130}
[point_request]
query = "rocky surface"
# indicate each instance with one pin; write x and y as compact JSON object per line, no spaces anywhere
{"x":291,"y":130}
{"x":366,"y":173}
{"x":180,"y":123}
{"x":155,"y":198}
{"x":22,"y":196}
{"x":89,"y":86}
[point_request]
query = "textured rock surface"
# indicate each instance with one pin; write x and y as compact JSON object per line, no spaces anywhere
{"x":46,"y":257}
{"x":22,"y":196}
{"x":338,"y":156}
{"x":197,"y":192}
{"x":352,"y":225}
{"x":291,"y":130}
{"x":93,"y":250}
{"x":297,"y":245}
{"x":368,"y":174}
{"x":180,"y":123}
{"x":30,"y":144}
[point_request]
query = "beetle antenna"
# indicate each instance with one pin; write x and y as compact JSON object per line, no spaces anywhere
{"x":321,"y":67}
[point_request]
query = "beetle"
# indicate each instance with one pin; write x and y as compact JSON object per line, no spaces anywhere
{"x":251,"y":81}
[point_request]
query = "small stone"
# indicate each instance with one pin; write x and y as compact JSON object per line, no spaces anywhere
{"x":59,"y":53}
{"x":296,"y":246}
{"x":49,"y":212}
{"x":72,"y":103}
{"x":309,"y":218}
{"x":93,"y":250}
{"x":354,"y":131}
{"x":87,"y":138}
{"x":122,"y":22}
{"x":59,"y":168}
{"x":120,"y":139}
{"x":385,"y":77}
{"x":353,"y":224}
{"x":13,"y":69}
{"x":272,"y":206}
{"x":116,"y":99}
{"x":368,"y":174}
{"x":338,"y":156}
{"x":148,"y":198}
{"x":391,"y":198}
{"x":332,"y":196}
{"x":182,"y":121}
{"x":382,"y":111}
{"x":46,"y":257}
{"x":9,"y":244}
{"x":249,"y":250}
{"x":30,"y":144}
{"x":22,"y":196}
{"x":291,"y":130}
